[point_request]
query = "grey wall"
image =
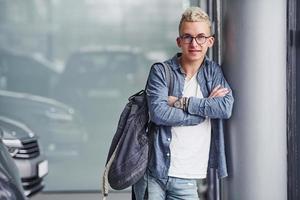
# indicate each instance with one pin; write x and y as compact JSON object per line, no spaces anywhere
{"x":255,"y":64}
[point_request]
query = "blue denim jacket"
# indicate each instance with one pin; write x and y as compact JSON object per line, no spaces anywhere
{"x":164,"y":116}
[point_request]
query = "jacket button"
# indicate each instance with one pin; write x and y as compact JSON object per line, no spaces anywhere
{"x":168,"y":154}
{"x":169,"y":139}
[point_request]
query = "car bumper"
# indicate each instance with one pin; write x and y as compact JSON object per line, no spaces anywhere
{"x":32,"y":172}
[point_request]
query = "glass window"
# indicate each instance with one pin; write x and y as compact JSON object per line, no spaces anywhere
{"x":78,"y":61}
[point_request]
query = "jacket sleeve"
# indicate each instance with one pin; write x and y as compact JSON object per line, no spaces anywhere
{"x":217,"y":107}
{"x":157,"y":98}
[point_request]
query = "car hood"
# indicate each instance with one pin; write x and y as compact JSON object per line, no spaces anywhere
{"x":20,"y":106}
{"x":33,"y":98}
{"x":13,"y":129}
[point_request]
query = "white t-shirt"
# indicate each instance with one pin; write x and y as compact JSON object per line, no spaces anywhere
{"x":190,"y":144}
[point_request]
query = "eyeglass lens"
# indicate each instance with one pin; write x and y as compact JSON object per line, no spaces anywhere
{"x":200,"y":39}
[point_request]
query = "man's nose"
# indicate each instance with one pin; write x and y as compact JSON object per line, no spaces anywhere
{"x":194,"y":42}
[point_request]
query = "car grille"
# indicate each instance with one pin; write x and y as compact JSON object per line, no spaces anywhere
{"x":30,"y":149}
{"x":32,"y":185}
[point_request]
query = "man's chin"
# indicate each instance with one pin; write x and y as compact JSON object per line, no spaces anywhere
{"x":195,"y":58}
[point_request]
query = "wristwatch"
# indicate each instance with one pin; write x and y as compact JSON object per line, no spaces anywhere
{"x":178,"y":103}
{"x":182,"y":103}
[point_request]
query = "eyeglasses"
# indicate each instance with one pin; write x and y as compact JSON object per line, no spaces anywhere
{"x":188,"y":39}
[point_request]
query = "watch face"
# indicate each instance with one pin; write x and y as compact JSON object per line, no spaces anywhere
{"x":177,"y":104}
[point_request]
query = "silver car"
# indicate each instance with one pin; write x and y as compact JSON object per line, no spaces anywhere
{"x":23,"y":146}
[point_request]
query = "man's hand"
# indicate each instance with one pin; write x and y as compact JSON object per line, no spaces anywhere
{"x":219,"y":92}
{"x":171,"y":100}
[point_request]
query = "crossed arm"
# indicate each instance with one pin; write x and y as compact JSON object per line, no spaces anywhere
{"x":161,"y":106}
{"x":218,"y":91}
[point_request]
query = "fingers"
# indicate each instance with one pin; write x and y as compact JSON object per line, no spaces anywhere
{"x":219,"y":92}
{"x":214,"y":91}
{"x":171,"y":100}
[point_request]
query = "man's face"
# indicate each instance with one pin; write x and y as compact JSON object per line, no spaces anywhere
{"x":194,"y":40}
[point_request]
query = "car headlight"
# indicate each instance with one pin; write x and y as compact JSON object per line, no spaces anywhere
{"x":13,"y":151}
{"x":12,"y":146}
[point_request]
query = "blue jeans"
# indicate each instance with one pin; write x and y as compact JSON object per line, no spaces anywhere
{"x":176,"y":189}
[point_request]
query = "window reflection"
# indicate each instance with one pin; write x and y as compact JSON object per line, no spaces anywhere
{"x":67,"y":68}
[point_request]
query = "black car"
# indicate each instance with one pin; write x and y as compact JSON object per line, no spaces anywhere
{"x":10,"y":181}
{"x":22,"y":144}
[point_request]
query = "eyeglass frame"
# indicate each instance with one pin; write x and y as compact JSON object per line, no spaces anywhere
{"x":192,"y":38}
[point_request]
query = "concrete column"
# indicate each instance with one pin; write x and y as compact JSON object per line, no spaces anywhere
{"x":255,"y":65}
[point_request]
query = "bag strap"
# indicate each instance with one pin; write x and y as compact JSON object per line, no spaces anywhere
{"x":105,"y":183}
{"x":169,"y":76}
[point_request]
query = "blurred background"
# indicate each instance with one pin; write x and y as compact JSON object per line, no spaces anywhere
{"x":67,"y":68}
{"x":70,"y":65}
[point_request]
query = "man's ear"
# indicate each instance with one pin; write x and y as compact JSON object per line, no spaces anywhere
{"x":178,"y":42}
{"x":210,"y":41}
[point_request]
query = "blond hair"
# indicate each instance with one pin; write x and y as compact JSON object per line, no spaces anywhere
{"x":195,"y":14}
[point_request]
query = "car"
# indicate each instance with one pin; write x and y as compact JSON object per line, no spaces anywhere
{"x":58,"y":126}
{"x":10,"y":181}
{"x":22,"y":144}
{"x":60,"y":130}
{"x":21,"y":72}
{"x":97,"y":80}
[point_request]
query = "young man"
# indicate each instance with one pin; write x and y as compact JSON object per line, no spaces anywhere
{"x":188,"y":138}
